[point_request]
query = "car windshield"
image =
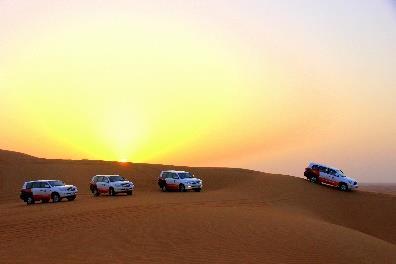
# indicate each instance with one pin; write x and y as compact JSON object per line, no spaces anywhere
{"x":184,"y":175}
{"x":56,"y":183}
{"x":341,"y":173}
{"x":116,"y":178}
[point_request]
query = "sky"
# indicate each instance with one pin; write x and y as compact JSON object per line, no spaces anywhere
{"x":265,"y":85}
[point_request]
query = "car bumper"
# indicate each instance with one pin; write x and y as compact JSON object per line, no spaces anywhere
{"x":193,"y":186}
{"x":353,"y":187}
{"x":67,"y":194}
{"x":123,"y":189}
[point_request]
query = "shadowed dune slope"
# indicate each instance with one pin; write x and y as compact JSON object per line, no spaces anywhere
{"x":242,"y":216}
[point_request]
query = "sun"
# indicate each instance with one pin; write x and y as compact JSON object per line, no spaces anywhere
{"x":123,"y":160}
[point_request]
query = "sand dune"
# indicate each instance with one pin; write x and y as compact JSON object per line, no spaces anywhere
{"x":242,"y":216}
{"x":389,"y":188}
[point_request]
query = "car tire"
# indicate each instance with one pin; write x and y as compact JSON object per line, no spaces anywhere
{"x":95,"y":192}
{"x":112,"y":192}
{"x":56,"y":198}
{"x":71,"y":198}
{"x":313,"y":179}
{"x":163,"y":188}
{"x":129,"y":193}
{"x":29,"y":200}
{"x":182,"y":188}
{"x":343,"y":187}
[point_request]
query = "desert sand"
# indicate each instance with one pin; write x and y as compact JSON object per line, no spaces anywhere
{"x":389,"y":188}
{"x":242,"y":216}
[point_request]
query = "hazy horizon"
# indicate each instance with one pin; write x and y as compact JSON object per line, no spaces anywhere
{"x":264,"y":85}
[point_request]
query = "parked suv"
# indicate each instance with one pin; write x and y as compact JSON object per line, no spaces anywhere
{"x":179,"y":180}
{"x":110,"y":184}
{"x":46,"y":190}
{"x":319,"y":173}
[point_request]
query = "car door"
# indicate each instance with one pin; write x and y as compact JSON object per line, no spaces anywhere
{"x":323,"y":175}
{"x":333,"y":177}
{"x":100,"y":184}
{"x":106,"y":184}
{"x":171,"y":179}
{"x":39,"y":191}
{"x":36,"y":190}
{"x":45,"y":190}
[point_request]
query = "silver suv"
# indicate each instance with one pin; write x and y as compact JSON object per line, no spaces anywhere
{"x":46,"y":190}
{"x":110,"y":184}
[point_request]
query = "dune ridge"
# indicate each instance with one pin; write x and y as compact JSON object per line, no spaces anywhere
{"x":242,"y":216}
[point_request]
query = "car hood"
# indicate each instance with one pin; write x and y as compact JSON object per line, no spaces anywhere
{"x":191,"y":180}
{"x":123,"y":182}
{"x":349,"y":179}
{"x":67,"y":187}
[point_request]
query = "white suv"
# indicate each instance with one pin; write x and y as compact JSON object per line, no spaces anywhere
{"x":179,"y":180}
{"x":319,"y":173}
{"x":110,"y":184}
{"x":45,"y":190}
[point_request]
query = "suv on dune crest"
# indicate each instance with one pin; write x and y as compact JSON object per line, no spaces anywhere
{"x":46,"y":190}
{"x":110,"y":184}
{"x":179,"y":181}
{"x":319,"y":173}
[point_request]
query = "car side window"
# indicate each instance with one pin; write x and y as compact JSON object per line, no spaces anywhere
{"x":29,"y":185}
{"x":100,"y":179}
{"x":95,"y":179}
{"x":315,"y":167}
{"x":35,"y":185}
{"x":332,"y":172}
{"x":322,"y":169}
{"x":169,"y":175}
{"x":164,"y":174}
{"x":175,"y":176}
{"x":44,"y":185}
{"x":105,"y":179}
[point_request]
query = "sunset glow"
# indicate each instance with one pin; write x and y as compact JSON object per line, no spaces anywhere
{"x":214,"y":83}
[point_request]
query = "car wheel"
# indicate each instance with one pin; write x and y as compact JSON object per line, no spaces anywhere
{"x":112,"y":192}
{"x":129,"y":192}
{"x":56,"y":198}
{"x":343,"y":187}
{"x":164,"y":189}
{"x":95,"y":192}
{"x":71,"y":198}
{"x":29,"y":200}
{"x":313,"y":179}
{"x":182,"y":188}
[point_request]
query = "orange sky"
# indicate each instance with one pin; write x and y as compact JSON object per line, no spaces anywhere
{"x":267,"y":86}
